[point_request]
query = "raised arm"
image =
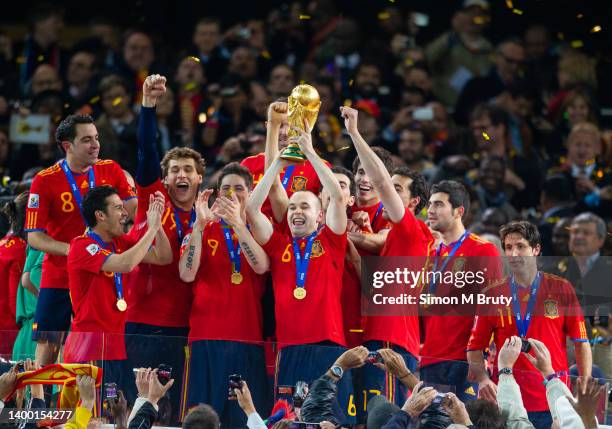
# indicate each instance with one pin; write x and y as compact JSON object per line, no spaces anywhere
{"x":161,"y":253}
{"x":261,"y":227}
{"x":335,"y":217}
{"x":277,"y":114}
{"x":189,"y":263}
{"x":127,"y":261}
{"x":374,"y":167}
{"x":229,"y":210}
{"x":148,"y":169}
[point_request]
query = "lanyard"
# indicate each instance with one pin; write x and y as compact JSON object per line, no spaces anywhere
{"x":287,"y":175}
{"x":73,"y":186}
{"x":522,"y":323}
{"x":179,"y":225}
{"x":301,"y":262}
{"x":378,"y":210}
{"x":234,"y":253}
{"x":118,"y":277}
{"x":458,"y":243}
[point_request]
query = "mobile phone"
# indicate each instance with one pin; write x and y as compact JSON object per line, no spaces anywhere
{"x":423,"y":114}
{"x":234,"y":382}
{"x":525,"y":346}
{"x":299,"y":393}
{"x":439,"y":398}
{"x":110,"y":390}
{"x":164,"y":373}
{"x":420,"y":19}
{"x":374,"y":357}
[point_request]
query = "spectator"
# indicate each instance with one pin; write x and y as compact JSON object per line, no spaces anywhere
{"x":243,"y":63}
{"x":556,"y":202}
{"x":208,"y":48}
{"x":509,"y":58}
{"x":145,"y":411}
{"x":490,"y":188}
{"x":137,"y":60}
{"x":418,"y":75}
{"x":117,"y":126}
{"x":44,"y":78}
{"x":82,"y":70}
{"x":411,"y":149}
{"x":168,"y":122}
{"x":191,"y":100}
{"x":540,"y":59}
{"x":281,"y":81}
{"x":462,"y":53}
{"x":105,"y":31}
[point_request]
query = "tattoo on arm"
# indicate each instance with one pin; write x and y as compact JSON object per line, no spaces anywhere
{"x":190,"y":253}
{"x":249,"y":252}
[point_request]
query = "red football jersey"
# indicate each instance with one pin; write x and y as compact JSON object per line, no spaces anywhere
{"x":409,"y":237}
{"x":317,"y":317}
{"x":159,"y":287}
{"x":52,"y":208}
{"x":222,"y":310}
{"x":375,"y":213}
{"x":351,"y":306}
{"x":442,"y":343}
{"x":303,"y":178}
{"x":556,"y":314}
{"x":12,"y":260}
{"x":98,"y":326}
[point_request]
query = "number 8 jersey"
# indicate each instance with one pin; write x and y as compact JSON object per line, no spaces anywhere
{"x":52,"y":209}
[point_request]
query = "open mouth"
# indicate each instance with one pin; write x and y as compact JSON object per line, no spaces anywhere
{"x":298,"y":221}
{"x":364,"y":188}
{"x":182,"y":186}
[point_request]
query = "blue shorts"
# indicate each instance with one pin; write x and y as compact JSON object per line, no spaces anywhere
{"x":308,"y":363}
{"x":450,"y":376}
{"x":369,"y":381}
{"x":210,"y":365}
{"x":53,"y":314}
{"x":147,"y":346}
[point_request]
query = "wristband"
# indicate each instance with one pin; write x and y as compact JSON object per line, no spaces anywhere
{"x":552,"y":376}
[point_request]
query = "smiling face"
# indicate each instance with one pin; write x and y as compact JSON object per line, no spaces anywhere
{"x":114,"y":217}
{"x":182,"y":180}
{"x":304,"y":213}
{"x":366,"y":195}
{"x":521,"y":256}
{"x":85,"y":148}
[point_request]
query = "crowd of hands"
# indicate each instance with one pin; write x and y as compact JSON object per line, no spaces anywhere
{"x":588,"y":390}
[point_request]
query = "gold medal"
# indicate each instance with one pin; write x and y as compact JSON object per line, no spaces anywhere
{"x":236,"y":278}
{"x":299,"y":293}
{"x":121,"y":304}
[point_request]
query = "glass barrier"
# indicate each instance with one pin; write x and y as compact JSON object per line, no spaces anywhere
{"x":205,"y":372}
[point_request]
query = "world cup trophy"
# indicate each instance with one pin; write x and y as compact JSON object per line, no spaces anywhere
{"x":304,"y":103}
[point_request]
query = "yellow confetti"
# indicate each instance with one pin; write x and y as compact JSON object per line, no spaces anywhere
{"x":479,"y":20}
{"x":343,"y":148}
{"x":486,"y":136}
{"x":560,"y":36}
{"x":117,"y":101}
{"x":195,"y":59}
{"x":576,"y":44}
{"x":40,"y":58}
{"x":517,"y":11}
{"x":509,"y":4}
{"x":21,"y":60}
{"x":190,"y":86}
{"x":302,"y":81}
{"x":266,"y":54}
{"x":348,"y":103}
{"x":323,"y":134}
{"x":351,"y":82}
{"x":95,"y":99}
{"x":356,"y":330}
{"x":384,"y":16}
{"x":391,"y":1}
{"x":580,"y":16}
{"x":304,"y":17}
{"x":599,"y":174}
{"x":596,"y":29}
{"x":202,"y":118}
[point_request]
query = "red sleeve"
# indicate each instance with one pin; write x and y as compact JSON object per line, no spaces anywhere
{"x":121,"y":183}
{"x":86,"y":255}
{"x":39,"y":202}
{"x":481,"y":333}
{"x":274,"y":244}
{"x":337,"y":242}
{"x":490,"y":261}
{"x":573,"y":323}
{"x":14,"y":277}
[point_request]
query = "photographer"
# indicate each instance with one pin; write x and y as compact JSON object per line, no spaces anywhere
{"x":150,"y":391}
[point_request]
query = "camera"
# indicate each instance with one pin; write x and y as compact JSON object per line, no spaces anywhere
{"x":423,"y":114}
{"x":439,"y":398}
{"x":110,"y":390}
{"x":234,"y":382}
{"x":374,"y":357}
{"x":525,"y":346}
{"x":20,"y":366}
{"x":299,"y":394}
{"x":164,"y":373}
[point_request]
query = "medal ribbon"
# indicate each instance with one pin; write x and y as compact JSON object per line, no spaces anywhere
{"x":118,"y":277}
{"x":179,"y":225}
{"x":522,"y":323}
{"x":234,"y":253}
{"x":301,"y":262}
{"x":458,"y":243}
{"x":287,"y":176}
{"x":378,"y":210}
{"x":73,"y":186}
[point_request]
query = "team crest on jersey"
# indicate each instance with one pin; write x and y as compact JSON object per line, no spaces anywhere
{"x":33,"y":201}
{"x":550,"y":309}
{"x":92,"y":249}
{"x":299,"y":183}
{"x":84,"y":185}
{"x":317,"y":249}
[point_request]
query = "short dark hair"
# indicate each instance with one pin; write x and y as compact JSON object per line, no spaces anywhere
{"x":182,"y":152}
{"x":201,"y":417}
{"x":458,"y":195}
{"x":207,"y":20}
{"x":112,"y":81}
{"x":95,"y":200}
{"x":239,"y":170}
{"x":485,"y":414}
{"x":525,"y":229}
{"x":557,"y":188}
{"x":66,"y":130}
{"x":494,"y":158}
{"x":337,"y":169}
{"x":382,"y":153}
{"x":418,"y":187}
{"x":497,"y":115}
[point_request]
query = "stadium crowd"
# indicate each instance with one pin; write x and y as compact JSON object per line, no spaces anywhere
{"x":159,"y":232}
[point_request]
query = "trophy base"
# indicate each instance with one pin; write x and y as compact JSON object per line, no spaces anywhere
{"x":293,"y":153}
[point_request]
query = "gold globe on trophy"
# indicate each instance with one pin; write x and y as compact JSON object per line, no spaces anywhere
{"x":304,"y":103}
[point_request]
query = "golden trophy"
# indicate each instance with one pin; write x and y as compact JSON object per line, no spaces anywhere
{"x":304,"y":103}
